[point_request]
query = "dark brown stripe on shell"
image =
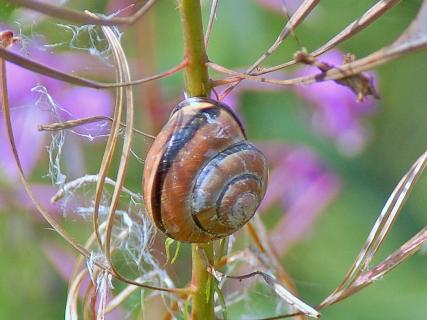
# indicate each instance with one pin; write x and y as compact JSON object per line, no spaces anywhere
{"x":178,"y":140}
{"x":238,"y":147}
{"x":221,"y":105}
{"x":204,"y":172}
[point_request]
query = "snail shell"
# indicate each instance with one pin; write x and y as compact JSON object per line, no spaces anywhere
{"x":202,"y":179}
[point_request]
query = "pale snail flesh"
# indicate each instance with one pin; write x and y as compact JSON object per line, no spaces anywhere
{"x":202,"y":179}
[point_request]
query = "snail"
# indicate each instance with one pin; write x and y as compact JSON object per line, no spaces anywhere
{"x":202,"y":179}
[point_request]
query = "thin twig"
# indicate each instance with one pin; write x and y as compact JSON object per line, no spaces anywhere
{"x":297,"y":18}
{"x":124,"y":71}
{"x":8,"y":125}
{"x":376,"y":11}
{"x":212,"y":18}
{"x":110,"y":147}
{"x":71,"y":312}
{"x":273,"y":284}
{"x":123,"y":74}
{"x":412,"y":39}
{"x":76,"y":80}
{"x":81,"y":17}
{"x":380,"y":230}
{"x":82,"y":121}
{"x":75,"y":184}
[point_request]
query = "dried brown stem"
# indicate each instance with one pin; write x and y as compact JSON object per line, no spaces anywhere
{"x":9,"y":130}
{"x":378,"y":234}
{"x":124,"y":73}
{"x":71,"y":311}
{"x":82,"y":121}
{"x":275,"y":285}
{"x":81,"y":17}
{"x":76,"y":80}
{"x":412,"y":39}
{"x":297,"y":18}
{"x":212,"y":17}
{"x":72,"y":185}
{"x":375,"y":12}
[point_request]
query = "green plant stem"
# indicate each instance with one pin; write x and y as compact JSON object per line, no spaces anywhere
{"x":196,"y":73}
{"x":197,"y":85}
{"x":202,"y":283}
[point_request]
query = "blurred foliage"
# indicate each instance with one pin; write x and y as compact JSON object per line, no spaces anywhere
{"x":29,"y":286}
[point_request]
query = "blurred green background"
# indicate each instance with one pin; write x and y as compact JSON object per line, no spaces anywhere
{"x":30,"y":287}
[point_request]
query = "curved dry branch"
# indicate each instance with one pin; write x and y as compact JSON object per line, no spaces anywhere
{"x":275,"y":285}
{"x":76,"y":80}
{"x":81,"y":17}
{"x":297,"y":18}
{"x":414,"y":38}
{"x":82,"y":121}
{"x":9,"y":131}
{"x":357,"y":277}
{"x":71,"y":312}
{"x":212,"y":17}
{"x":370,"y":16}
{"x":123,"y":73}
{"x":93,"y":178}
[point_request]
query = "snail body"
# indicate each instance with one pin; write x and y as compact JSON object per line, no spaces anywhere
{"x":202,"y":179}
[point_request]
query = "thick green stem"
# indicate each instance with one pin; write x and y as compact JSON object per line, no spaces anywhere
{"x":202,"y":283}
{"x":197,"y":85}
{"x":196,"y":74}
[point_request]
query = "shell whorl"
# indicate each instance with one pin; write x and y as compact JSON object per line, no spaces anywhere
{"x":228,"y":189}
{"x":202,"y":179}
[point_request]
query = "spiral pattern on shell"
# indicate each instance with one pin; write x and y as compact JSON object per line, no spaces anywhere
{"x":202,"y":179}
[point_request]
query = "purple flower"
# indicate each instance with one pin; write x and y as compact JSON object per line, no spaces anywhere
{"x":302,"y":185}
{"x":32,"y":97}
{"x":336,"y":113}
{"x":29,"y":141}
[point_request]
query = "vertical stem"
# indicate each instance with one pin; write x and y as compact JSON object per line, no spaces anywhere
{"x":196,"y":74}
{"x":197,"y":85}
{"x":202,"y":283}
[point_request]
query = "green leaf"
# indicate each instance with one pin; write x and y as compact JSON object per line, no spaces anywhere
{"x":221,"y":298}
{"x":186,"y":305}
{"x":178,"y":247}
{"x":208,"y":288}
{"x":168,"y":243}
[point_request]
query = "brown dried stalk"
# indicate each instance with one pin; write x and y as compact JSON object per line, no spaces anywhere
{"x":361,"y":84}
{"x":275,"y":286}
{"x":76,"y":80}
{"x":82,"y":121}
{"x":412,"y":39}
{"x":75,"y":184}
{"x":111,"y":142}
{"x":81,"y":17}
{"x":212,"y":17}
{"x":10,"y":137}
{"x":356,"y":277}
{"x":360,"y":274}
{"x":71,"y":310}
{"x":370,"y":16}
{"x":123,"y":73}
{"x":297,"y":18}
{"x":57,"y":227}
